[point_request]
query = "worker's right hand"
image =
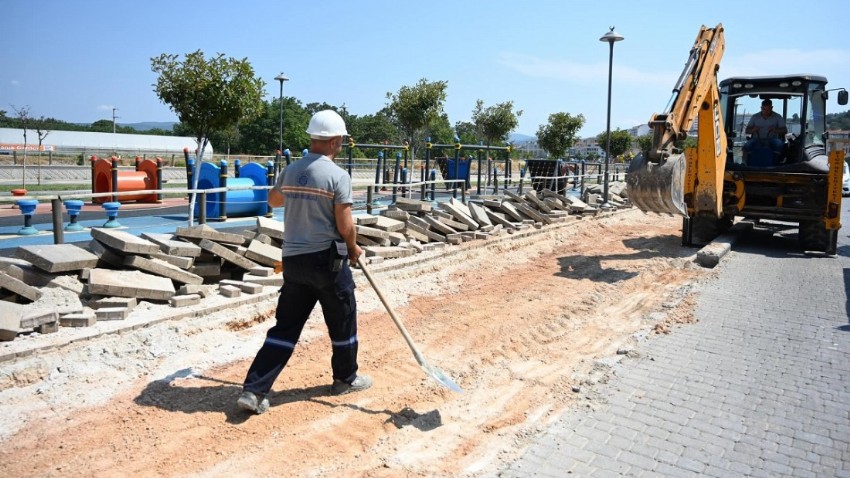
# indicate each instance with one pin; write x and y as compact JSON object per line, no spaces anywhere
{"x":354,"y":254}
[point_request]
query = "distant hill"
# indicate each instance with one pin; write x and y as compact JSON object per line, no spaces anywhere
{"x":149,"y":125}
{"x":520,"y":138}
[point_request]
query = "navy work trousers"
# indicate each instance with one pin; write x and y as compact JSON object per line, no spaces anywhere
{"x":308,"y":279}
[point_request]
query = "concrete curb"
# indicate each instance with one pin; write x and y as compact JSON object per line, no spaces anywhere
{"x":710,"y":255}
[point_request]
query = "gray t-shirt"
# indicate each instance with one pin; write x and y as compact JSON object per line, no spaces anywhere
{"x":312,"y":186}
{"x":775,"y":121}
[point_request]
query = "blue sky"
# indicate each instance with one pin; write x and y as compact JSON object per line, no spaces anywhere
{"x":76,"y":60}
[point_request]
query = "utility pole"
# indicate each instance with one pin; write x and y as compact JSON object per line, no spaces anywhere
{"x":113,"y":119}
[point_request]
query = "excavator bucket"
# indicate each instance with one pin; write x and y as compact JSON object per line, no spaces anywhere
{"x":658,"y":187}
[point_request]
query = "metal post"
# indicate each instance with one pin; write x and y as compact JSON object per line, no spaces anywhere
{"x":58,"y":231}
{"x":159,"y":179}
{"x":114,"y":178}
{"x":609,"y":37}
{"x":222,"y":196}
{"x":378,"y":170}
{"x":395,"y":175}
{"x":369,"y":200}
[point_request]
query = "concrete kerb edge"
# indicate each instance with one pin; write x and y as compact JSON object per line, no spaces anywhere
{"x":271,"y":294}
{"x":178,"y":315}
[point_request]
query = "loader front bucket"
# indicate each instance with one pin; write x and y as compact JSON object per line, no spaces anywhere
{"x":658,"y":187}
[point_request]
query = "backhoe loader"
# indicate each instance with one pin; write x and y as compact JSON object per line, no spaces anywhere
{"x":787,"y":178}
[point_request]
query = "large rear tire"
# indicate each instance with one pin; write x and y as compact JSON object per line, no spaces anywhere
{"x":813,"y":236}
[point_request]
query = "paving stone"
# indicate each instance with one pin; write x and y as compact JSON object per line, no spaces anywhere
{"x":461,"y":213}
{"x":365,"y":220}
{"x":397,"y":214}
{"x":412,"y":205}
{"x":246,"y":287}
{"x":130,"y":284}
{"x":387,"y":252}
{"x":261,"y":271}
{"x":176,"y":261}
{"x":229,"y":290}
{"x":164,"y":269}
{"x":111,"y":313}
{"x":206,"y":269}
{"x":275,"y":280}
{"x":82,"y":319}
{"x":19,"y":287}
{"x":185,"y":300}
{"x":124,"y":241}
{"x":199,"y":289}
{"x":57,"y":257}
{"x":29,"y":274}
{"x":262,"y":253}
{"x":227,"y":254}
{"x":172,"y":246}
{"x":204,"y":232}
{"x":109,"y":302}
{"x":479,"y":214}
{"x":10,"y":320}
{"x":107,"y":255}
{"x":270,"y":227}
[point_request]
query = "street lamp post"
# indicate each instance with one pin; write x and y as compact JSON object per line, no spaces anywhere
{"x":611,"y":36}
{"x":113,"y":119}
{"x":281,"y":78}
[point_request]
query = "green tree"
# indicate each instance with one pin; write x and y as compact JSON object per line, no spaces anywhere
{"x":413,"y":108}
{"x":207,"y":95}
{"x":644,"y":143}
{"x":468,"y":132}
{"x":372,"y":129}
{"x":621,"y":141}
{"x":560,"y":134}
{"x":494,"y":123}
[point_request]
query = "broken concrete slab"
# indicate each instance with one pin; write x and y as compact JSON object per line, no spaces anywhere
{"x":388,"y":224}
{"x":262,"y":253}
{"x":130,"y":284}
{"x":10,"y":320}
{"x":29,"y":274}
{"x":412,"y":205}
{"x":460,"y":214}
{"x":199,"y":289}
{"x":124,"y":242}
{"x":57,"y":257}
{"x":479,"y":214}
{"x":107,"y":255}
{"x":270,"y":227}
{"x":204,"y":232}
{"x":246,"y":287}
{"x":164,"y":269}
{"x":169,"y":245}
{"x":229,"y":290}
{"x":227,"y":254}
{"x":365,"y":220}
{"x":19,"y":287}
{"x":387,"y":252}
{"x":176,"y":261}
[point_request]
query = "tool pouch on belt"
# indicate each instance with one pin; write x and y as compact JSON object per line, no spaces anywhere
{"x":338,"y":255}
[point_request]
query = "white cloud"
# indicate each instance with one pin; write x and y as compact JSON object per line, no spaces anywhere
{"x":15,"y":83}
{"x":105,"y":107}
{"x":579,"y":72}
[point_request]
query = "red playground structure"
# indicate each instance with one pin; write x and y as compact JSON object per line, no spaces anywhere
{"x":106,"y":178}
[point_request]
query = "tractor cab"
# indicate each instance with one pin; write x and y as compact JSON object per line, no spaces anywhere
{"x":800,"y":103}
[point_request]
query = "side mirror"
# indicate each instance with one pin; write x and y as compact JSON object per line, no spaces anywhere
{"x":842,"y":97}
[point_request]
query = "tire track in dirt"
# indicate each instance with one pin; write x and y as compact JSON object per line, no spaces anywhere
{"x":517,"y":333}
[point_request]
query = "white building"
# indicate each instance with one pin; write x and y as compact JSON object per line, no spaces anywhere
{"x":99,"y":144}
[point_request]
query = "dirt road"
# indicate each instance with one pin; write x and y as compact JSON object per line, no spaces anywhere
{"x":525,"y":325}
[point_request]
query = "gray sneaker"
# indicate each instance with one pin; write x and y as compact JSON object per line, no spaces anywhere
{"x":250,"y":402}
{"x":361,"y":382}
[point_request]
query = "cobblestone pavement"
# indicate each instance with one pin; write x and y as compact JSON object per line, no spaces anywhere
{"x":759,"y":386}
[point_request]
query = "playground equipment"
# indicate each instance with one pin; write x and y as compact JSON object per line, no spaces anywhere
{"x":236,"y":203}
{"x":111,"y":214}
{"x":73,"y":206}
{"x":105,"y":177}
{"x":27,"y":207}
{"x":455,"y":168}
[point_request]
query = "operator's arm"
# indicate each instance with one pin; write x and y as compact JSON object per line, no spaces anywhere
{"x":781,"y":128}
{"x":276,"y":198}
{"x":345,"y":226}
{"x":751,"y":126}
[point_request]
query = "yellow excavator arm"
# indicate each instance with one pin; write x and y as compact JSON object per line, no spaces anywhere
{"x":661,"y":180}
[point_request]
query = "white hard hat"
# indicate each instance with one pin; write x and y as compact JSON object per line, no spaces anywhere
{"x":326,"y":124}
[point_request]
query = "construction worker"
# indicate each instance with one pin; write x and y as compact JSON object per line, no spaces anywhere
{"x":318,"y":245}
